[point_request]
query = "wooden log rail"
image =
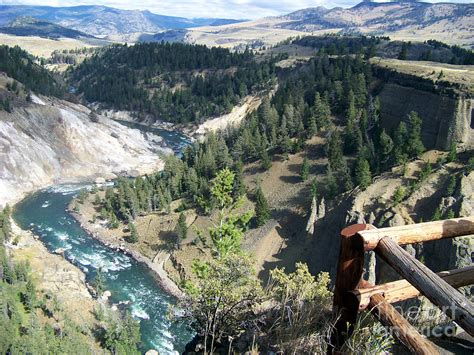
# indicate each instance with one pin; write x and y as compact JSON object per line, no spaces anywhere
{"x":353,"y":294}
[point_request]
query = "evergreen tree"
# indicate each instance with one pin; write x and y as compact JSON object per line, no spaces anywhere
{"x":334,"y":149}
{"x":304,"y":170}
{"x":181,"y":227}
{"x":321,"y":111}
{"x":450,"y":214}
{"x":262,"y":211}
{"x":265,"y":161}
{"x":239,"y":185}
{"x":386,"y":146}
{"x":451,"y":185}
{"x":414,"y":144}
{"x":351,"y":110}
{"x":98,"y":282}
{"x":133,"y":237}
{"x":452,"y":153}
{"x":398,"y":195}
{"x":363,"y":176}
{"x":5,"y":225}
{"x":436,"y":216}
{"x":29,"y":295}
{"x":401,"y":141}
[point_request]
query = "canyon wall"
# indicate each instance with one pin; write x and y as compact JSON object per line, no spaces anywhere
{"x":446,"y":111}
{"x":49,"y":141}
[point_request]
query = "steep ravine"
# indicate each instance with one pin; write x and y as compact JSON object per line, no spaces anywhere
{"x":51,"y":141}
{"x":375,"y":206}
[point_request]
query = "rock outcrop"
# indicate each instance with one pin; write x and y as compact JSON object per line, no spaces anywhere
{"x":446,"y":113}
{"x":375,"y":206}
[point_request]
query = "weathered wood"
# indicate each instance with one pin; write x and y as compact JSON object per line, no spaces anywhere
{"x":402,"y":290}
{"x":349,"y":274}
{"x":438,"y":291}
{"x":421,"y":232}
{"x":401,"y":329}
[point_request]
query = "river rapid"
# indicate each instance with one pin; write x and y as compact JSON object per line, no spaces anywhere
{"x":131,"y":283}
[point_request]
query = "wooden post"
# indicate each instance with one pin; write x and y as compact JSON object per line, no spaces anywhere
{"x":349,"y":273}
{"x":438,"y":291}
{"x":420,"y":232}
{"x":403,"y":331}
{"x":401,"y":290}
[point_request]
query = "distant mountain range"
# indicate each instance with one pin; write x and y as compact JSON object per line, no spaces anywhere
{"x":408,"y":20}
{"x":383,"y":17}
{"x":28,"y":26}
{"x":452,"y":23}
{"x":104,"y":21}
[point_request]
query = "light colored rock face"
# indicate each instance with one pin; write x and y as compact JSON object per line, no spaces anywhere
{"x":54,"y":141}
{"x":232,"y":119}
{"x":444,"y":118}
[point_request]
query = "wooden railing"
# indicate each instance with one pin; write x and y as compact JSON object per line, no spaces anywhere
{"x":353,"y":294}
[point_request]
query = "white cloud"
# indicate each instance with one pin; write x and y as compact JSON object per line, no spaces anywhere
{"x":249,"y":9}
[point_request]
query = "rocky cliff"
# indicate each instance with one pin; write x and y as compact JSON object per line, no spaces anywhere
{"x":48,"y":141}
{"x":375,"y":206}
{"x":443,"y":102}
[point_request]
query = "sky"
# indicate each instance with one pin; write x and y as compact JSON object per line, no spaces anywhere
{"x":239,"y":9}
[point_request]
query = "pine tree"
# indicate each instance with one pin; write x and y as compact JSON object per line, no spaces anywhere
{"x":29,"y":295}
{"x":321,"y":111}
{"x":98,"y":282}
{"x":265,"y":161}
{"x":398,"y":195}
{"x":363,"y":176}
{"x":386,"y":146}
{"x":304,"y":170}
{"x":335,"y":154}
{"x":239,"y":185}
{"x":414,"y":144}
{"x":451,"y":185}
{"x":133,"y":237}
{"x":452,"y":153}
{"x":400,"y":140}
{"x":436,"y":216}
{"x":262,"y":211}
{"x":351,"y":113}
{"x":181,"y":227}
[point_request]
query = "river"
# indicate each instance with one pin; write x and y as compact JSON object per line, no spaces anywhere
{"x":44,"y":213}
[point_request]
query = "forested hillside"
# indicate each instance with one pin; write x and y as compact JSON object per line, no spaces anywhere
{"x":430,"y":50}
{"x":172,"y":82}
{"x":20,"y":65}
{"x":302,"y":106}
